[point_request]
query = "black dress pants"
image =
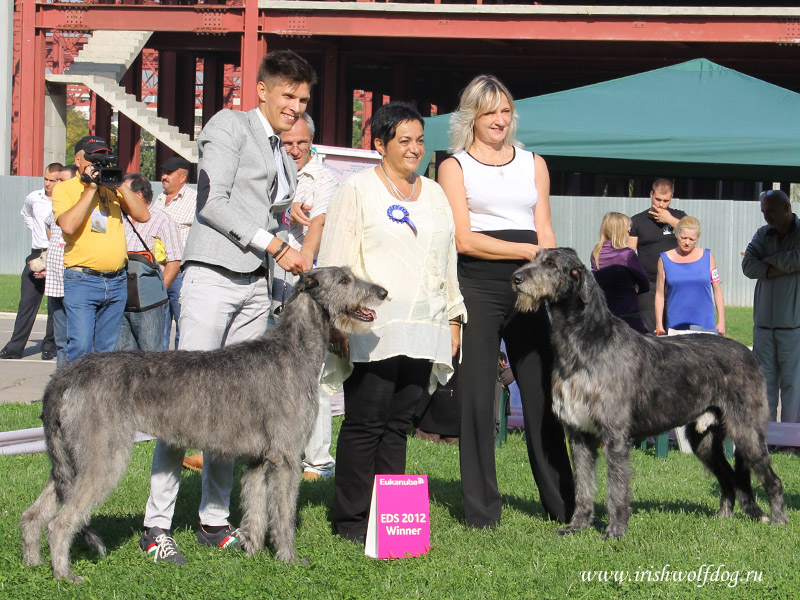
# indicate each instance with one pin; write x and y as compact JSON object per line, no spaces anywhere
{"x":491,"y":315}
{"x":379,"y":401}
{"x":31,"y":292}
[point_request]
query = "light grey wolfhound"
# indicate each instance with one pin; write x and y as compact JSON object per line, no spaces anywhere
{"x":255,"y":401}
{"x":612,"y":384}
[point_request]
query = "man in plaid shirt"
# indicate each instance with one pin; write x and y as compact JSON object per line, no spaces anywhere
{"x":54,"y":280}
{"x":179,"y":201}
{"x":145,"y":330}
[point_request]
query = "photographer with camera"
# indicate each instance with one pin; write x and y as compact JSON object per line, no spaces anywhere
{"x":88,"y":208}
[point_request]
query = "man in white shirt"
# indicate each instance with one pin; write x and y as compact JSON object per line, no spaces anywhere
{"x":179,"y":201}
{"x":37,"y":207}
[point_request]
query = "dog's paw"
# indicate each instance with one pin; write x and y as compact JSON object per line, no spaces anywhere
{"x":247,"y":545}
{"x":286,"y":556}
{"x":614,"y":533}
{"x":33,"y":560}
{"x":570,"y":529}
{"x":76,"y":579}
{"x":725,"y":512}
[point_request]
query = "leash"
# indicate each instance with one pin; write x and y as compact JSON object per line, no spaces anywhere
{"x":279,"y":310}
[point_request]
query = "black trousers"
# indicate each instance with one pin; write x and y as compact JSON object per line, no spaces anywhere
{"x":491,"y":315}
{"x":379,"y":401}
{"x":31,"y":292}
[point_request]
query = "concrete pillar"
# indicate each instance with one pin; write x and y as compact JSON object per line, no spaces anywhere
{"x":55,"y":123}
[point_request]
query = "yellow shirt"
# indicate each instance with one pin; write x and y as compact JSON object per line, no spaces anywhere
{"x":100,"y":243}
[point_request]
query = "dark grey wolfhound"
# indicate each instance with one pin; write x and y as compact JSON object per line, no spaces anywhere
{"x":255,"y":401}
{"x":612,"y":384}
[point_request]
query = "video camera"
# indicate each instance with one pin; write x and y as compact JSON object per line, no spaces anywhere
{"x":101,"y":158}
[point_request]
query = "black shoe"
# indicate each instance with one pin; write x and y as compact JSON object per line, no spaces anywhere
{"x":358,"y":538}
{"x":157,"y":543}
{"x":7,"y":354}
{"x":47,"y":355}
{"x":228,"y":537}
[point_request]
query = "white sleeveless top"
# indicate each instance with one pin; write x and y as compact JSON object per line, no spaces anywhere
{"x":500,"y":197}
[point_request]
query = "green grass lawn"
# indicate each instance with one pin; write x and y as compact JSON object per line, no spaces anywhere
{"x":9,"y":294}
{"x":739,"y":324}
{"x":673,"y":530}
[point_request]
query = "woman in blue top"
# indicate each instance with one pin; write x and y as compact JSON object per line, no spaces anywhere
{"x":688,"y":276}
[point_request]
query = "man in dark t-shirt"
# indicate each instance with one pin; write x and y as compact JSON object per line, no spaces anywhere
{"x":650,"y":235}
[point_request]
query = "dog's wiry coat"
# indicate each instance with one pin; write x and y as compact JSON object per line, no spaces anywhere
{"x":611,"y":384}
{"x":255,"y":401}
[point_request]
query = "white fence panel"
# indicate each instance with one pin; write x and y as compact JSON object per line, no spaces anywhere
{"x":15,"y":238}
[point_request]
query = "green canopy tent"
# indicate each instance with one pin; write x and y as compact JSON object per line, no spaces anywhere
{"x":694,"y":119}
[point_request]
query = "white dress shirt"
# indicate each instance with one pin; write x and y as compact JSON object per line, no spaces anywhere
{"x":35,"y":210}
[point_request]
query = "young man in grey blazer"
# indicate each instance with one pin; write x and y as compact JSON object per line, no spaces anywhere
{"x":245,"y":182}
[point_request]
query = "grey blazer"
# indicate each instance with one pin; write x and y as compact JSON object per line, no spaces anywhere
{"x":236,"y":172}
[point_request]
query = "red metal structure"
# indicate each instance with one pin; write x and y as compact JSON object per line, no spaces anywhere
{"x":208,"y":52}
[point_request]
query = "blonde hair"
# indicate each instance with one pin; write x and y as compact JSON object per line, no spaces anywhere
{"x":614,"y":228}
{"x":687,"y":222}
{"x":482,"y":95}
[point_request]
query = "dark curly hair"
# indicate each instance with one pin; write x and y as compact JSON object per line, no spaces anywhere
{"x":386,"y":119}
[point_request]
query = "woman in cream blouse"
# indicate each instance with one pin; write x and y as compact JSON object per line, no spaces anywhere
{"x":394,"y":228}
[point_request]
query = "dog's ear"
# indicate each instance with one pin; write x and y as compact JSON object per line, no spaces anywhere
{"x":307,"y":281}
{"x":582,"y":280}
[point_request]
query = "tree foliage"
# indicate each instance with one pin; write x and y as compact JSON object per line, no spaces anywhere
{"x":358,"y":125}
{"x":77,"y":127}
{"x":147,"y":161}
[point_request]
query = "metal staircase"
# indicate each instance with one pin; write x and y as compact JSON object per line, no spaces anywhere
{"x":100,"y":66}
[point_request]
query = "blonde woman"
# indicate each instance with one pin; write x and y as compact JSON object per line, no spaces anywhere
{"x":689,"y":283}
{"x":500,"y":196}
{"x":618,"y":271}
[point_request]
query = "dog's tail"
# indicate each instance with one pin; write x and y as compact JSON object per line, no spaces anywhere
{"x":56,"y":395}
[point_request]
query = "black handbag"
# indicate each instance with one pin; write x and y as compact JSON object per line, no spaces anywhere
{"x":145,"y":282}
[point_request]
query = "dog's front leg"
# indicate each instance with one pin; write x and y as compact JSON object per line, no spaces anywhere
{"x":617,"y":450}
{"x":584,"y":457}
{"x":283,"y":482}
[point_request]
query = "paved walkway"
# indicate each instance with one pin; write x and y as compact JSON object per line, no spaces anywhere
{"x":24,"y":380}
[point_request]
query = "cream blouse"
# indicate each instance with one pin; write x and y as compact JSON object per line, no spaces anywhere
{"x":419,"y":271}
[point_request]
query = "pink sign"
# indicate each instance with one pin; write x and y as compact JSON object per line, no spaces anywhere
{"x":399,"y":519}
